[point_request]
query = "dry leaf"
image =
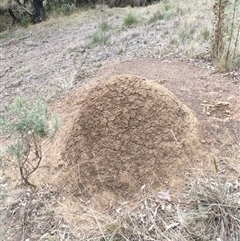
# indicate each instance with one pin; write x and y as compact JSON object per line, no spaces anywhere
{"x":164,"y":196}
{"x":143,"y":187}
{"x":173,"y":225}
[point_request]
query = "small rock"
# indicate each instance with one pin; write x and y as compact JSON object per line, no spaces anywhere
{"x":97,"y":64}
{"x":204,"y":101}
{"x":208,"y":113}
{"x":203,"y":141}
{"x":230,"y":98}
{"x":222,"y":103}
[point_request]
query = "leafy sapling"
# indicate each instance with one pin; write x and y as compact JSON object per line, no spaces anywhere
{"x":28,"y":126}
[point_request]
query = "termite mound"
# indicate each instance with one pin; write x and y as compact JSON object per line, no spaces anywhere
{"x":129,"y":131}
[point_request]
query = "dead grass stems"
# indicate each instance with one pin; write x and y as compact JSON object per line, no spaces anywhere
{"x":224,"y":42}
{"x":209,"y":210}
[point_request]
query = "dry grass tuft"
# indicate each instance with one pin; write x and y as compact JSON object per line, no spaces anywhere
{"x":225,"y":38}
{"x":209,"y":210}
{"x":217,"y":214}
{"x":29,"y":216}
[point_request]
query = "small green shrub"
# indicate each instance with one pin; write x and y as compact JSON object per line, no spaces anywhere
{"x":68,"y":8}
{"x":102,"y":34}
{"x":105,"y":26}
{"x":99,"y":38}
{"x":167,"y":6}
{"x":156,"y":16}
{"x":130,"y":19}
{"x":169,"y":13}
{"x":25,"y":21}
{"x":205,"y":33}
{"x":54,"y":8}
{"x":27,"y":125}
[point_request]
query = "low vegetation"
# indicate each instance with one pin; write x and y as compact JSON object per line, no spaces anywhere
{"x":101,"y":35}
{"x":209,"y":207}
{"x":130,"y":19}
{"x":215,"y":39}
{"x":27,"y":125}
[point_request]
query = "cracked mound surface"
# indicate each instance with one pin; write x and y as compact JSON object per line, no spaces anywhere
{"x":129,"y":132}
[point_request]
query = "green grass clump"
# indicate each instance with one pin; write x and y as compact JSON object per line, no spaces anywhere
{"x":105,"y":26}
{"x":129,"y":20}
{"x":25,"y":21}
{"x":101,"y":36}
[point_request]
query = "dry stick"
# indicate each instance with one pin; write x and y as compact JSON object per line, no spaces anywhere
{"x":231,"y":33}
{"x":236,"y":43}
{"x":38,"y":154}
{"x":23,"y":169}
{"x":217,"y":48}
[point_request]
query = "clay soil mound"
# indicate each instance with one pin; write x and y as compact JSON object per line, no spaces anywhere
{"x":129,"y":132}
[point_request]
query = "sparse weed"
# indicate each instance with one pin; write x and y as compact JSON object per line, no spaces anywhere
{"x":169,"y":14}
{"x":25,"y":21}
{"x":156,"y":16}
{"x":217,"y":214}
{"x":168,"y":11}
{"x":54,"y":9}
{"x":167,"y":6}
{"x":5,"y":34}
{"x":68,"y":8}
{"x":129,"y":20}
{"x":205,"y":33}
{"x":99,"y":37}
{"x":102,"y":34}
{"x":105,"y":26}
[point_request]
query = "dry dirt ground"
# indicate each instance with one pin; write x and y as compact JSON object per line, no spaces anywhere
{"x":214,"y":102}
{"x":201,"y":108}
